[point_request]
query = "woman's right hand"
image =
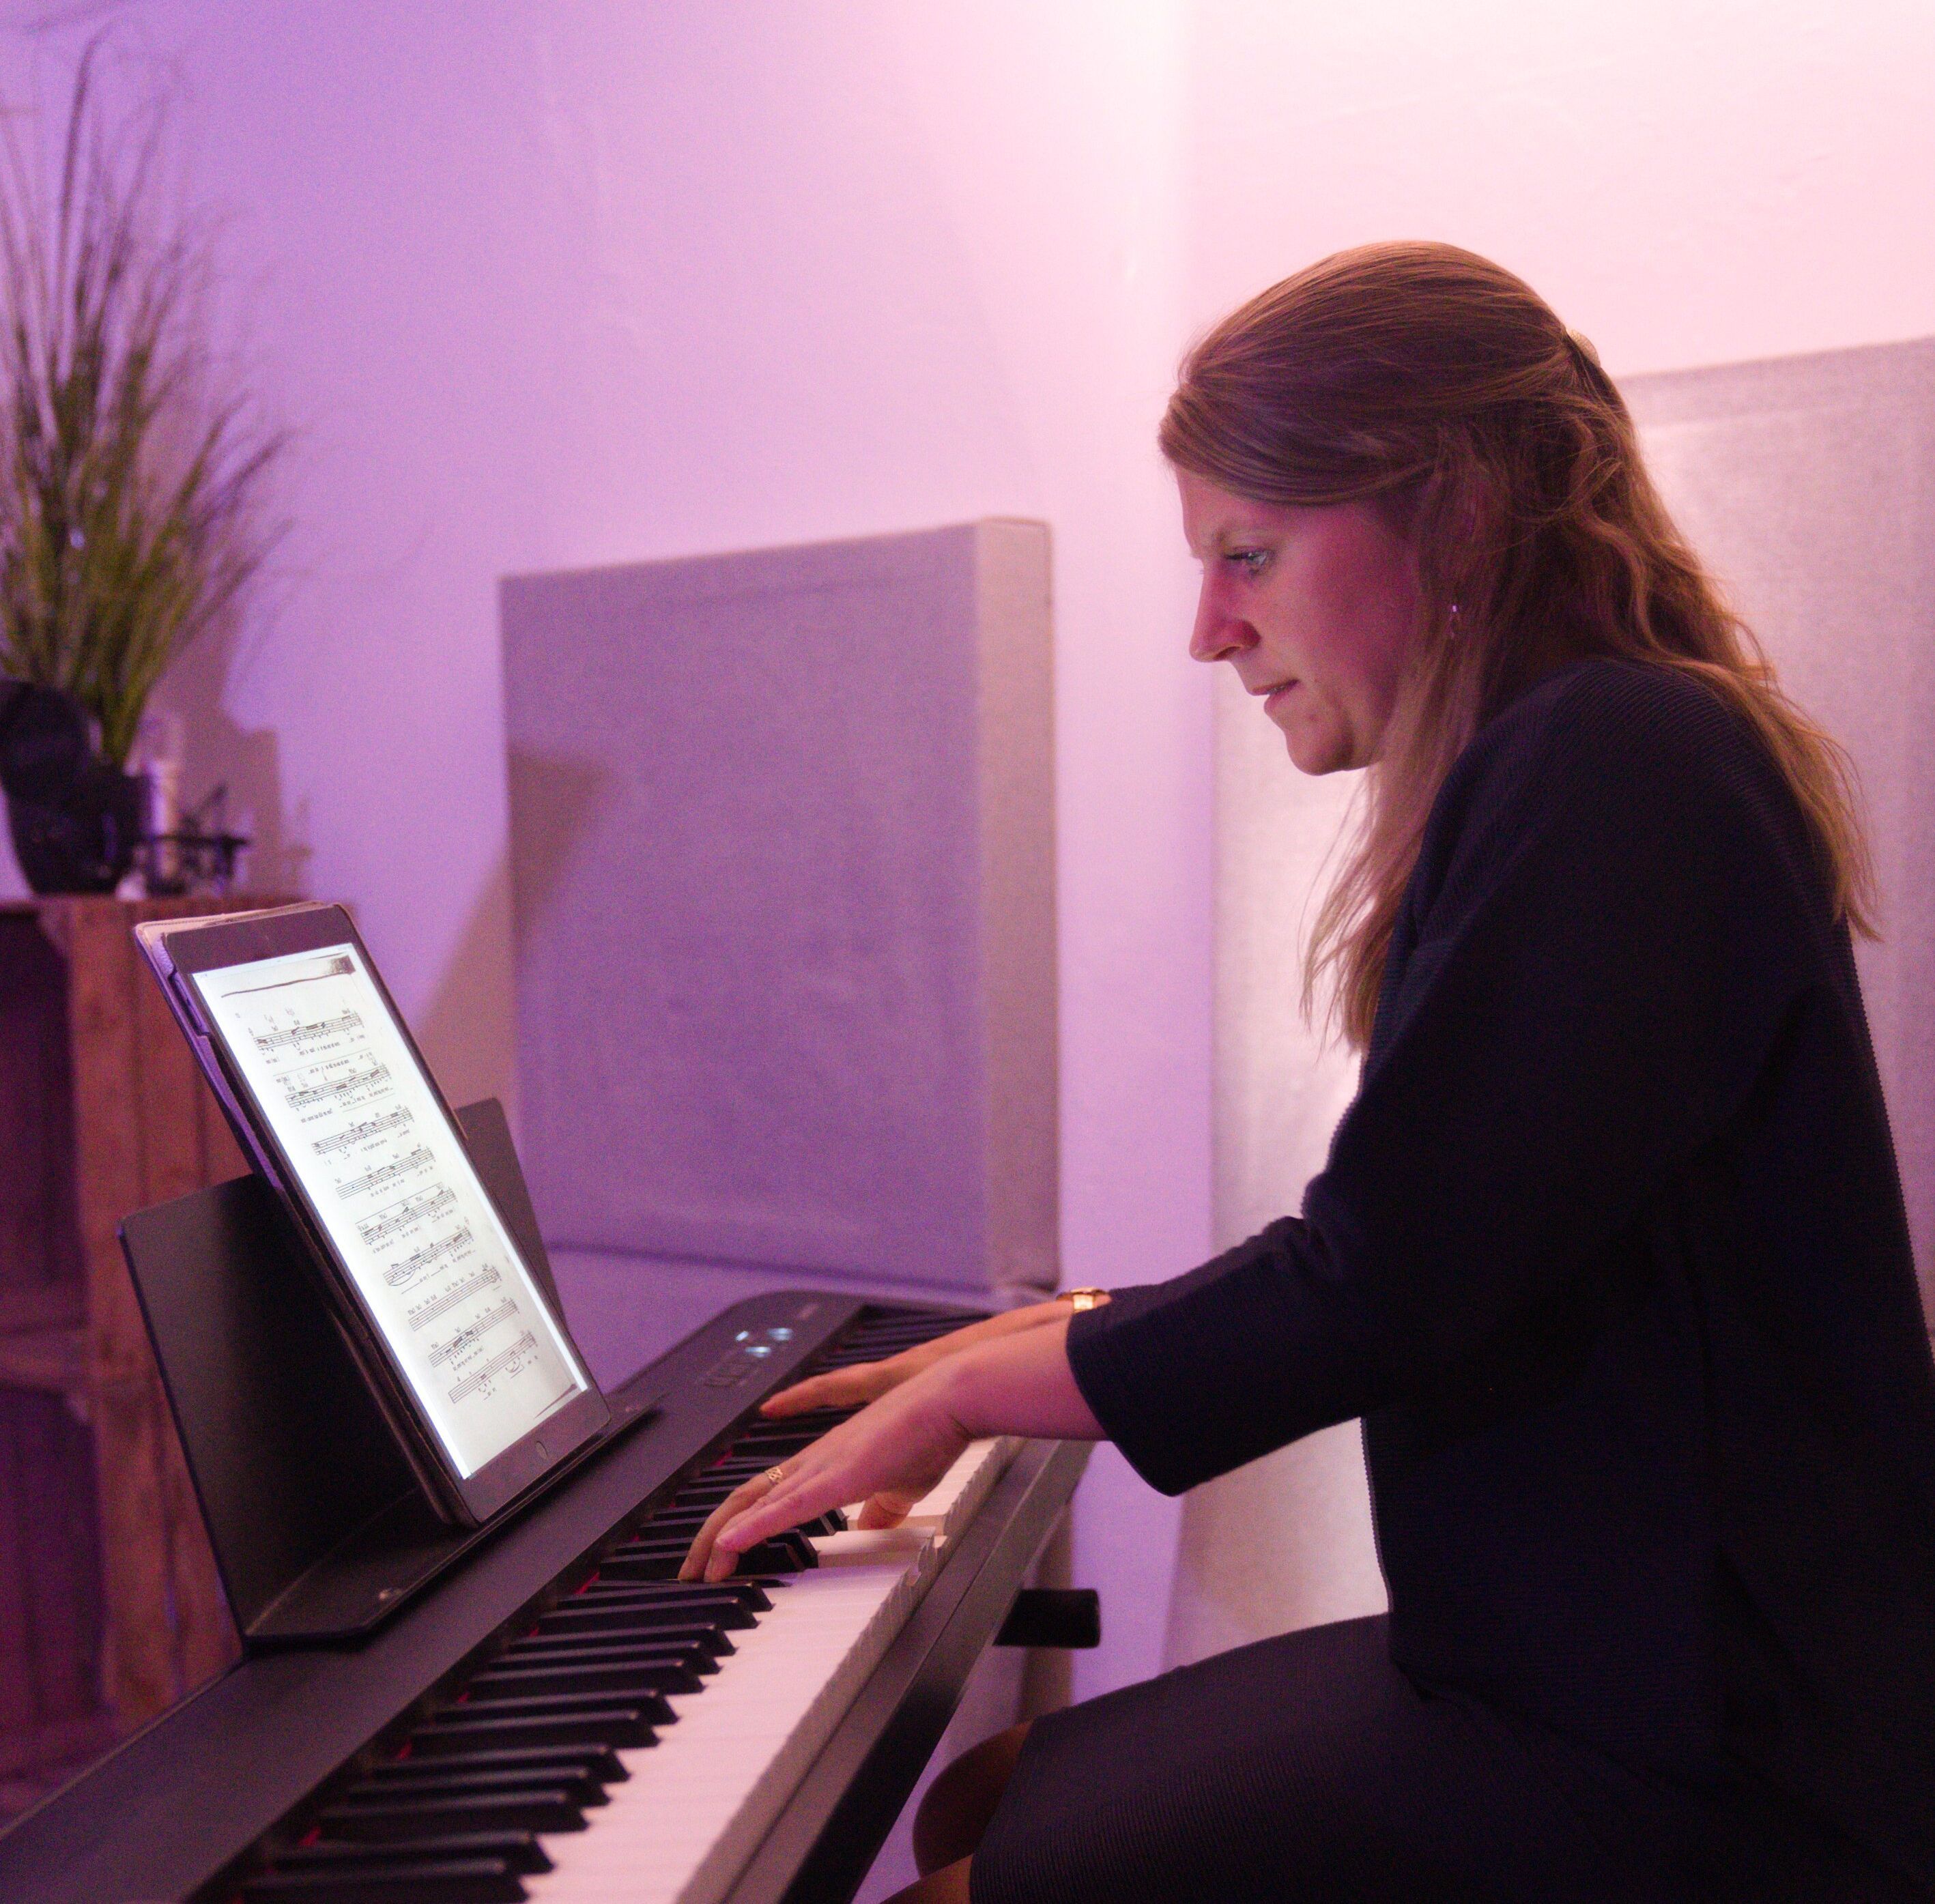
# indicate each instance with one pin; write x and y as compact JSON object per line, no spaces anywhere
{"x":855,"y":1386}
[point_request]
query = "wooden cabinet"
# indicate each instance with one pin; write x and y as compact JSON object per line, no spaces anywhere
{"x":110,"y":1607}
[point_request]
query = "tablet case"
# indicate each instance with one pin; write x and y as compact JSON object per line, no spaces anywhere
{"x":318,"y":1526}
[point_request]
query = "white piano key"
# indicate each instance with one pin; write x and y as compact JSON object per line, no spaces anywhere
{"x":698,"y":1803}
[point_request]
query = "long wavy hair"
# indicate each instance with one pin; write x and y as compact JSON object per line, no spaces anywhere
{"x":1444,"y":388}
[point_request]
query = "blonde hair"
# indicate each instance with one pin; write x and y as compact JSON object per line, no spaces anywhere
{"x":1438,"y":383}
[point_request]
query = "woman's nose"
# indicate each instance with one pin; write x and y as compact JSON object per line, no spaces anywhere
{"x":1219,"y":634}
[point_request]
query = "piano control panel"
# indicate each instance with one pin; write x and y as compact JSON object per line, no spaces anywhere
{"x":564,"y":1719}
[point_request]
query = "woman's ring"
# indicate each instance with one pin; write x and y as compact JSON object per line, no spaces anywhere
{"x":775,"y":1476}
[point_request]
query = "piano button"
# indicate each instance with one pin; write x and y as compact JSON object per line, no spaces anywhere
{"x":598,"y":1763}
{"x":460,"y":1881}
{"x":403,"y":1816}
{"x":617,"y":1722}
{"x":520,"y":1849}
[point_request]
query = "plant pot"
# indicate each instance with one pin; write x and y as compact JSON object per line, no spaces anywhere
{"x":84,"y":842}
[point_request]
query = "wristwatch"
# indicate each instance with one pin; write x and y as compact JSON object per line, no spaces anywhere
{"x":1079,"y":1299}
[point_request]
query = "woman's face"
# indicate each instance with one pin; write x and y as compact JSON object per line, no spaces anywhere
{"x":1315,"y":608}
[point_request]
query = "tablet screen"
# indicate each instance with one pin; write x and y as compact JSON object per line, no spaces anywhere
{"x":391,"y":1184}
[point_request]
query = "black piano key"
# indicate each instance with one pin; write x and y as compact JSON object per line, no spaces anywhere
{"x":597,"y":1763}
{"x":618,"y":1722}
{"x":449,"y":1777}
{"x":521,"y":1850}
{"x":686,"y":1637}
{"x":652,"y":1706}
{"x":685,"y":1518}
{"x":506,"y":1687}
{"x":789,"y":1552}
{"x":658,"y":1672}
{"x":614,"y":1614}
{"x":638,"y":1569}
{"x":536,"y":1648}
{"x":702,"y":1599}
{"x":457,"y":1881}
{"x":401,"y":1816}
{"x":741,"y":1590}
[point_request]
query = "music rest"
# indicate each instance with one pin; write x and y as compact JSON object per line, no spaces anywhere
{"x":319,"y":1528}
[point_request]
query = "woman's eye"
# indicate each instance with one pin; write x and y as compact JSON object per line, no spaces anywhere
{"x":1252,"y":562}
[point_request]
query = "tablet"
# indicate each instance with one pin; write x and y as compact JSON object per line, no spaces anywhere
{"x":473,"y":1367}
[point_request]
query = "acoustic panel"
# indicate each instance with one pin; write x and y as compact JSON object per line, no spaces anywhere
{"x":783,"y":868}
{"x":1807,"y":485}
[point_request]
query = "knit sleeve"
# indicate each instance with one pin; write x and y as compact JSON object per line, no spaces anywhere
{"x":1615,"y":913}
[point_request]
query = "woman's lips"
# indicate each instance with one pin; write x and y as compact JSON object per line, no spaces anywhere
{"x":1277,"y":696}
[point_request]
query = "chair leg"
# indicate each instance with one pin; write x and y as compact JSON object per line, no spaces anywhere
{"x":959,"y":1803}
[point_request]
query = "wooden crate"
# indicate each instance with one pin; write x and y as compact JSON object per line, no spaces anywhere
{"x":110,"y":1607}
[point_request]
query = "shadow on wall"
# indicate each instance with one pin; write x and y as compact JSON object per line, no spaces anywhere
{"x":217,"y":751}
{"x":468,"y":1028}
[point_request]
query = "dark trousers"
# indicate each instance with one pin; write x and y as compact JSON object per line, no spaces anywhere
{"x":1308,"y":1767}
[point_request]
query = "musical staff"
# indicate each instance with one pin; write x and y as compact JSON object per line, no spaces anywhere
{"x":293,"y":1037}
{"x":454,"y":1243}
{"x":386,"y":1173}
{"x":427,"y":1313}
{"x":505,"y":1362}
{"x":409,"y":1226}
{"x":441,"y":1352}
{"x":344,"y":1140}
{"x":394,"y":1218}
{"x":351,"y":1087}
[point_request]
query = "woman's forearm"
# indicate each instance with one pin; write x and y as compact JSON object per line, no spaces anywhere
{"x":1018,"y":1384}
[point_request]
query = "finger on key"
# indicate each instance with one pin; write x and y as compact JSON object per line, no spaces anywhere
{"x":693,"y":1567}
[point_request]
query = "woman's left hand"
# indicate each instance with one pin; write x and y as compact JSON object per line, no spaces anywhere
{"x":894,"y":1451}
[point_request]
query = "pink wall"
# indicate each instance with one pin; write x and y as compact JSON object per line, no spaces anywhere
{"x":573,"y":284}
{"x":551,"y":283}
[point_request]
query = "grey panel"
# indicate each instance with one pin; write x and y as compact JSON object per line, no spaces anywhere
{"x":782,"y":874}
{"x":1807,"y":484}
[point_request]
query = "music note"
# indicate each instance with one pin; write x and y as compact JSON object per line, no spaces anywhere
{"x":427,"y":1313}
{"x":505,"y":1362}
{"x":293,"y":1037}
{"x":394,"y":1218}
{"x":352,"y":1087}
{"x":370,"y":1127}
{"x":386,"y":1173}
{"x":441,"y":1352}
{"x":400,"y":1273}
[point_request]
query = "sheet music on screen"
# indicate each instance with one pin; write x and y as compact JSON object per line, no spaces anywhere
{"x":384,"y":1170}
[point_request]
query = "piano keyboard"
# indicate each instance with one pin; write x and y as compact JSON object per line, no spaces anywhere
{"x":637,"y":1741}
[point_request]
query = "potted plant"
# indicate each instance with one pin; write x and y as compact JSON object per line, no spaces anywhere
{"x":132,"y":473}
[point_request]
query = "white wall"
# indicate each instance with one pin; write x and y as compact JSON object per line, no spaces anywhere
{"x":546,"y":284}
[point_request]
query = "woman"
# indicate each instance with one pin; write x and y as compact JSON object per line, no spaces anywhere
{"x":1609,"y":1252}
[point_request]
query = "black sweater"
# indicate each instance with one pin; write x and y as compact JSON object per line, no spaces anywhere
{"x":1610,"y":1254}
